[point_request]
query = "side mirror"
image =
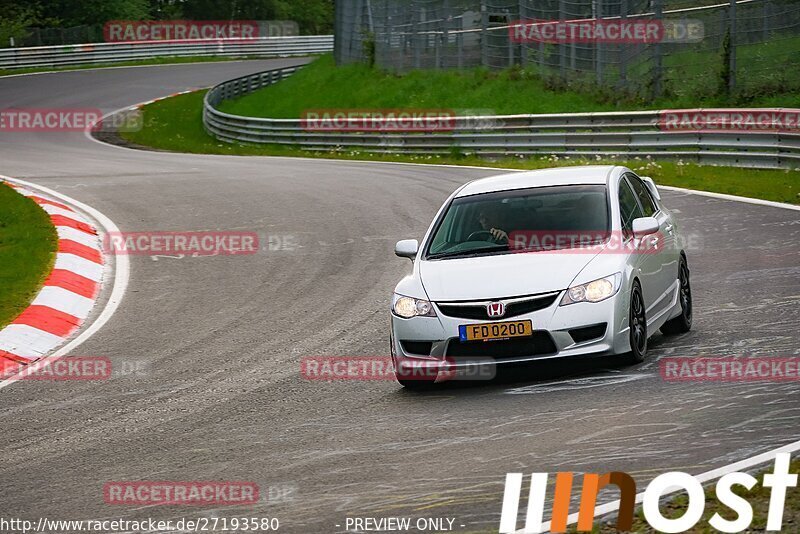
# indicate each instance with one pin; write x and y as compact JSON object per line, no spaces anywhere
{"x":651,"y":185}
{"x":407,"y":248}
{"x":644,"y":226}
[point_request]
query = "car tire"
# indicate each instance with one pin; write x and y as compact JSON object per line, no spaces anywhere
{"x":683,"y":322}
{"x":637,"y":322}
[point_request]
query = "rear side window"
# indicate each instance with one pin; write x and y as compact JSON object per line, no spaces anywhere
{"x":648,"y":205}
{"x":628,"y":207}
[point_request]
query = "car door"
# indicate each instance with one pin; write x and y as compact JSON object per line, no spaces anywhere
{"x":661,"y":257}
{"x":643,"y":267}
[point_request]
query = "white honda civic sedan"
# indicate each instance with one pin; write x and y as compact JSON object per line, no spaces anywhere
{"x":542,"y":264}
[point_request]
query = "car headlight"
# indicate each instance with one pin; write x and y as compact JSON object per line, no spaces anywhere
{"x":408,"y":307}
{"x":594,"y":291}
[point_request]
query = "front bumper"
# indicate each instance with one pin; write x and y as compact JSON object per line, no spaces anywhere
{"x":431,"y":341}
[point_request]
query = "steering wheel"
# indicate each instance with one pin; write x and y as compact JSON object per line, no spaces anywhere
{"x":481,"y":232}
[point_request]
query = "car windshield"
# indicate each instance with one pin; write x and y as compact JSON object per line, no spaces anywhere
{"x":535,"y":219}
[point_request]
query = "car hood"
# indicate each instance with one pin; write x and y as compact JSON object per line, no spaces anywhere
{"x":502,"y":275}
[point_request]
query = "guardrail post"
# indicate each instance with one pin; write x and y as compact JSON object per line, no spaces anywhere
{"x":341,"y":34}
{"x":597,"y":13}
{"x":623,"y":48}
{"x":562,"y":48}
{"x":732,"y":78}
{"x":460,"y":41}
{"x":402,"y":33}
{"x":523,"y":49}
{"x":445,"y":38}
{"x":484,"y":35}
{"x":573,"y":56}
{"x":415,"y":35}
{"x":657,"y":59}
{"x":541,"y":58}
{"x":510,"y":52}
{"x":387,"y":31}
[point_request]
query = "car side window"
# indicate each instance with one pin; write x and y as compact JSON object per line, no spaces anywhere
{"x":629,"y":208}
{"x":446,"y":231}
{"x":645,"y":199}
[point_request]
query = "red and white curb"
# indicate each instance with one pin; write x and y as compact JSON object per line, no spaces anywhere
{"x":70,"y":291}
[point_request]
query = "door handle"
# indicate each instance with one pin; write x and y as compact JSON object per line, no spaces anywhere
{"x":668,"y":228}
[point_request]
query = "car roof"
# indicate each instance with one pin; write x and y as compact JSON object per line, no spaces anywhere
{"x":583,"y":175}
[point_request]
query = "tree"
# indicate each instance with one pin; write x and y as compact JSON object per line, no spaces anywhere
{"x":15,"y":18}
{"x":313,"y":16}
{"x":95,"y":12}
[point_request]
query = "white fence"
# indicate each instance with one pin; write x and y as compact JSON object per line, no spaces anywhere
{"x":101,"y":53}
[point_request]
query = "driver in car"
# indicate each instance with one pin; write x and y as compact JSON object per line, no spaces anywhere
{"x":489,"y":219}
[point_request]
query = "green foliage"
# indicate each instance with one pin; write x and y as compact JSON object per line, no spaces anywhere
{"x":14,"y":19}
{"x":95,"y":12}
{"x":313,"y":16}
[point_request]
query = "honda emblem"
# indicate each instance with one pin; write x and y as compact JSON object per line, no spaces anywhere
{"x":496,"y":309}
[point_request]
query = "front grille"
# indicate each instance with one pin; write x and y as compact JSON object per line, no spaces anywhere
{"x":513,"y":309}
{"x":539,"y":344}
{"x":579,"y":335}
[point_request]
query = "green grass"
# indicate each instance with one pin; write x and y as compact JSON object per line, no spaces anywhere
{"x":323,"y":85}
{"x":28,"y":244}
{"x":143,"y":62}
{"x":767,"y":75}
{"x":175,"y":124}
{"x":758,"y":498}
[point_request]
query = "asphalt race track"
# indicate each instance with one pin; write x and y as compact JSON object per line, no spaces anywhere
{"x":217,"y":342}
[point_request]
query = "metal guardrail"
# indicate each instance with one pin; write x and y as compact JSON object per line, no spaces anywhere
{"x":575,"y":135}
{"x":89,"y":54}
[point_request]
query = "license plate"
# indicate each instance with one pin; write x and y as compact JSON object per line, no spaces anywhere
{"x":495,"y":331}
